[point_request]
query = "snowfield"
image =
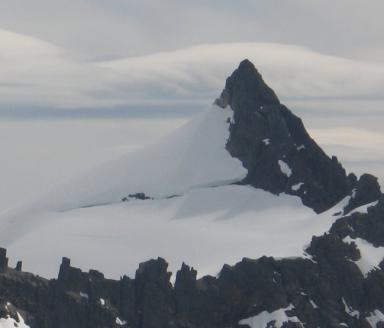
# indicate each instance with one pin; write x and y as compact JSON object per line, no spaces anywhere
{"x":193,"y":156}
{"x":194,"y":214}
{"x":205,"y":228}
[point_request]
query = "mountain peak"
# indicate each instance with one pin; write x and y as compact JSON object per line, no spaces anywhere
{"x":246,"y":63}
{"x":274,"y":146}
{"x":247,"y":67}
{"x":245,"y":89}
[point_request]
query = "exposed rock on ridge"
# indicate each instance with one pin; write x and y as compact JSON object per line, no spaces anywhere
{"x":265,"y":135}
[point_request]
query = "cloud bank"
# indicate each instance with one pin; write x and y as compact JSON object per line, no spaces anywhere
{"x":121,"y":28}
{"x":37,"y":74}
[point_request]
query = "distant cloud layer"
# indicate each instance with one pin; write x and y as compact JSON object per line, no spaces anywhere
{"x":121,"y":28}
{"x":39,"y":74}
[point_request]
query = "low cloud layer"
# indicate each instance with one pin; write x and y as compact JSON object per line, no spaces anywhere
{"x":37,"y":74}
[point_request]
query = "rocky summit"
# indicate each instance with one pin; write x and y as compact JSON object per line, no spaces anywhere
{"x":339,"y":282}
{"x":274,"y":146}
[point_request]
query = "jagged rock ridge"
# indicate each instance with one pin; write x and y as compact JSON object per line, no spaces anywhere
{"x":274,"y":146}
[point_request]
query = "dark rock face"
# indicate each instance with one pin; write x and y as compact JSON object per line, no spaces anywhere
{"x":265,"y":135}
{"x":367,"y":190}
{"x":3,"y":259}
{"x":368,"y":226}
{"x":154,"y":300}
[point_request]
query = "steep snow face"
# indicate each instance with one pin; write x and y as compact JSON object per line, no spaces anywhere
{"x":194,"y":156}
{"x":191,"y":211}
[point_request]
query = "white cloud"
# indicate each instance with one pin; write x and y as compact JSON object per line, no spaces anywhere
{"x":293,"y":71}
{"x":38,"y":74}
{"x":110,"y":28}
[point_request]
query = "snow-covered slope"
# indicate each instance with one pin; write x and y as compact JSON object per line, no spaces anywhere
{"x":181,"y":200}
{"x":191,"y":157}
{"x":205,"y":228}
{"x":195,"y":214}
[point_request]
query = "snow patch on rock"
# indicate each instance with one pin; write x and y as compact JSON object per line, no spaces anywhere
{"x":84,"y":295}
{"x":314,"y":305}
{"x":375,"y":317}
{"x":350,"y":310}
{"x":12,"y":323}
{"x":364,"y":208}
{"x":266,"y":141}
{"x":279,"y":317}
{"x":120,"y":322}
{"x":284,"y":168}
{"x":371,"y":256}
{"x":297,"y":186}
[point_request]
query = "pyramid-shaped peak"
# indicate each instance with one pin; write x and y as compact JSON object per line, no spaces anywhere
{"x":274,"y":146}
{"x":245,"y":89}
{"x":247,"y":65}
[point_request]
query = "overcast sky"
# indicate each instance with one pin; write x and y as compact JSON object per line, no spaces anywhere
{"x":107,"y":54}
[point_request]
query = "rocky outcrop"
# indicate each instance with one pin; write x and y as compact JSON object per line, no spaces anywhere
{"x":274,"y":146}
{"x":367,"y":190}
{"x":3,"y":259}
{"x":138,"y":196}
{"x":367,"y":225}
